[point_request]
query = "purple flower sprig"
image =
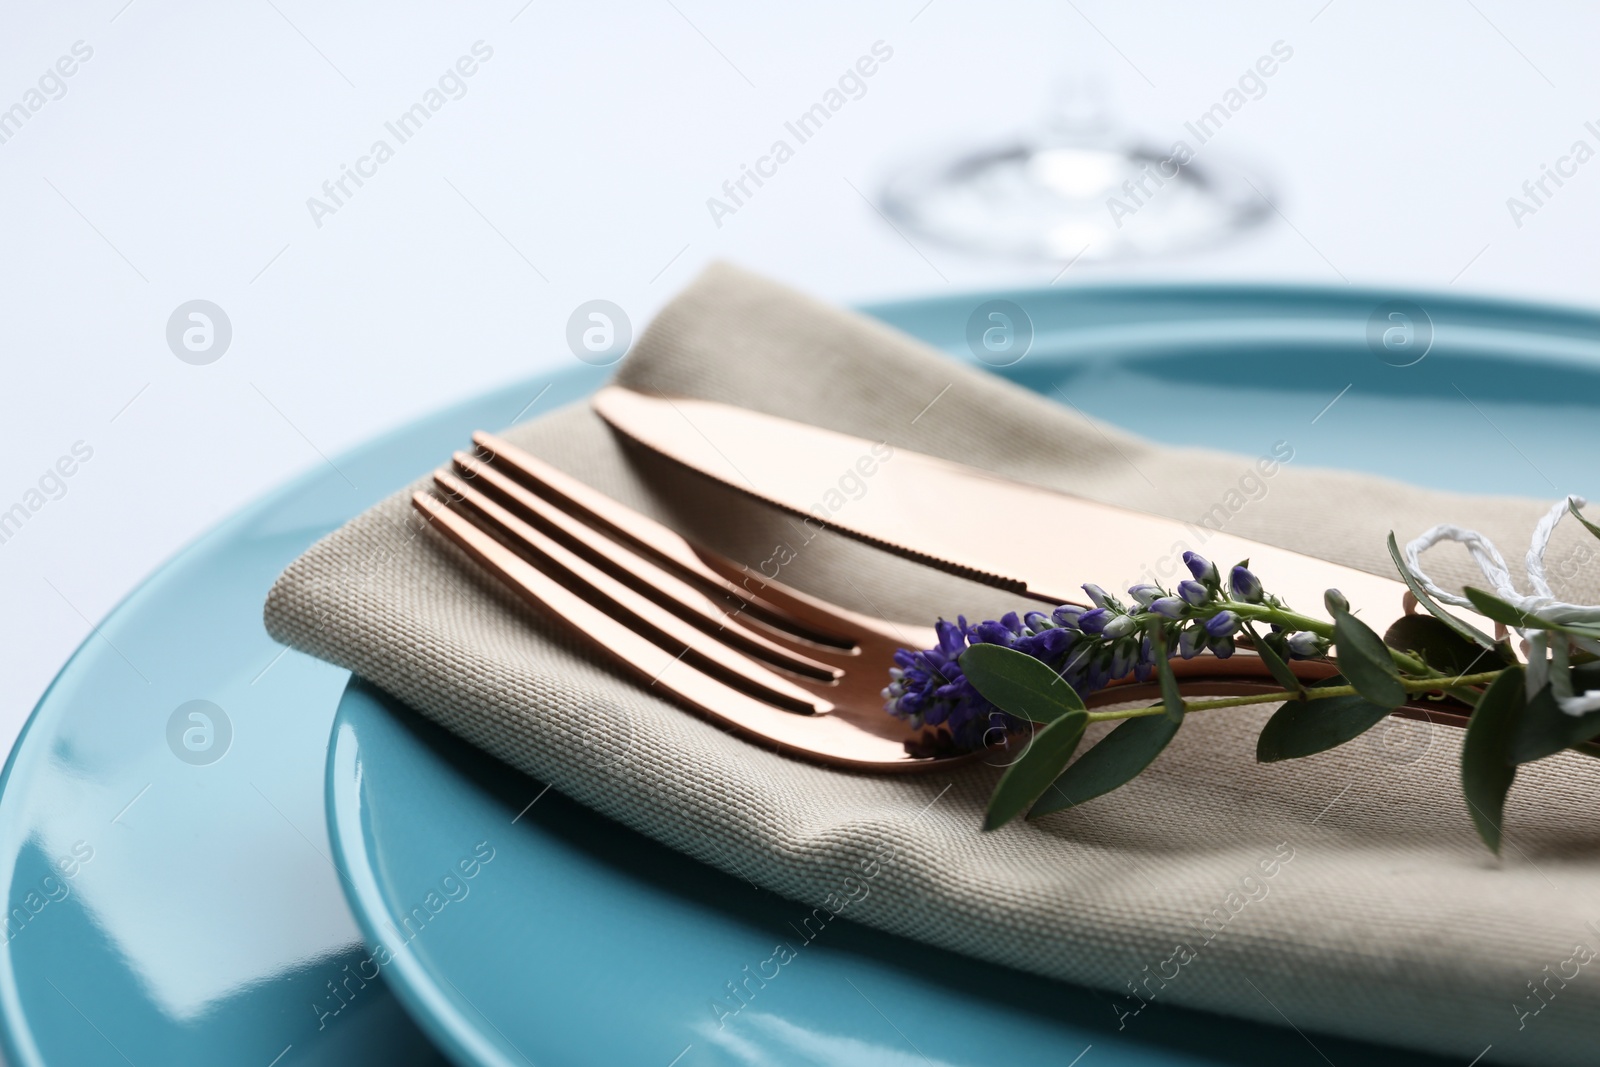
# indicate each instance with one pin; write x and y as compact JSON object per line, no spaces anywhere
{"x":1514,"y":713}
{"x":1089,"y":647}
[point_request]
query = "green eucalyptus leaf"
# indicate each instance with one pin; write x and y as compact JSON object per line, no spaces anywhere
{"x":1544,"y":729}
{"x":1591,"y":632}
{"x":1591,"y":527}
{"x":1364,"y":659}
{"x":1439,"y":644}
{"x":1040,"y":765}
{"x":1018,"y":684}
{"x":1487,"y":769}
{"x":1510,"y":615}
{"x":1171,"y":699}
{"x":1493,"y":607}
{"x":1433,"y":607}
{"x":1118,"y":759}
{"x":1306,"y":727}
{"x":1280,"y":670}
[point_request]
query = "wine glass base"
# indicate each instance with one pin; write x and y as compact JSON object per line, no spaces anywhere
{"x":1091,"y":200}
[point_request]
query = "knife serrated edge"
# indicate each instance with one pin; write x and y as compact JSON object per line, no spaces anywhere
{"x":997,"y":581}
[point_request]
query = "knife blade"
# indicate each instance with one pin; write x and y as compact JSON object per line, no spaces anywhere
{"x":964,"y":520}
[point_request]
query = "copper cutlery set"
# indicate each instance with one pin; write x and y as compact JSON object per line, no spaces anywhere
{"x":786,"y":669}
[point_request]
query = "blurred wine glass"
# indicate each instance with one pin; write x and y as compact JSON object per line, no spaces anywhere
{"x":1078,"y":186}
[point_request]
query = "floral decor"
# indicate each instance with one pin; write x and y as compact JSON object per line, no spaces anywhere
{"x":1026,"y":676}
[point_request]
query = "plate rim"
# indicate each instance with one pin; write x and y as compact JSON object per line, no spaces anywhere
{"x":18,"y":1026}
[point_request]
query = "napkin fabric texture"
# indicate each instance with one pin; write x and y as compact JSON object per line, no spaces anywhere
{"x":1346,"y":893}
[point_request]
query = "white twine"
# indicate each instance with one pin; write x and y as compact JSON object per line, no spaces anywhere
{"x":1542,"y":602}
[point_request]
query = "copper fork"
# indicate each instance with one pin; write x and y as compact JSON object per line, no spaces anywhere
{"x":781,"y":667}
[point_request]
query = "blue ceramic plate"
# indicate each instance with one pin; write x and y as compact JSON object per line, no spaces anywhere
{"x":169,"y":893}
{"x":575,"y":941}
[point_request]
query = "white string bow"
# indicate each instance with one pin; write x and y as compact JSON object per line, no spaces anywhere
{"x":1542,"y":602}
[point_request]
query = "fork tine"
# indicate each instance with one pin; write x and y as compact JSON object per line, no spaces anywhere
{"x":642,"y":574}
{"x":639,"y":613}
{"x":824,"y":738}
{"x":717,"y":576}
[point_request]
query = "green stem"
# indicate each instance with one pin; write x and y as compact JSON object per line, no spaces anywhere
{"x":1289,"y":620}
{"x":1293,"y":620}
{"x":1412,"y":685}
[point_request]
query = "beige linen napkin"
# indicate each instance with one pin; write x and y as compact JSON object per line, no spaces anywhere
{"x":1344,"y":893}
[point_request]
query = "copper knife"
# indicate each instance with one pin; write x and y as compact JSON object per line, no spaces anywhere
{"x":959,"y":519}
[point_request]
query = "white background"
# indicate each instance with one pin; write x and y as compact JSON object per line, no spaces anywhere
{"x":178,"y":165}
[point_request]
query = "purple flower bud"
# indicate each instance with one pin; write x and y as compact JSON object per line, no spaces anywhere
{"x":1010,"y":621}
{"x":1093,"y":622}
{"x":1037,"y":621}
{"x":994,"y":633}
{"x":1222,"y":624}
{"x":1120,"y":626}
{"x":951,"y":637}
{"x":1303,"y":644}
{"x":1099,"y":673}
{"x":1202,"y":569}
{"x":1122,"y":657}
{"x":1246,"y":586}
{"x":1222,"y":647}
{"x":1192,"y":642}
{"x":1096,"y":595}
{"x":1193,"y":592}
{"x":1067,"y":615}
{"x":1170,"y":607}
{"x":1145,"y":593}
{"x":1056,"y":640}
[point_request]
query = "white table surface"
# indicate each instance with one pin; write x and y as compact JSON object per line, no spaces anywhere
{"x":179,"y":160}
